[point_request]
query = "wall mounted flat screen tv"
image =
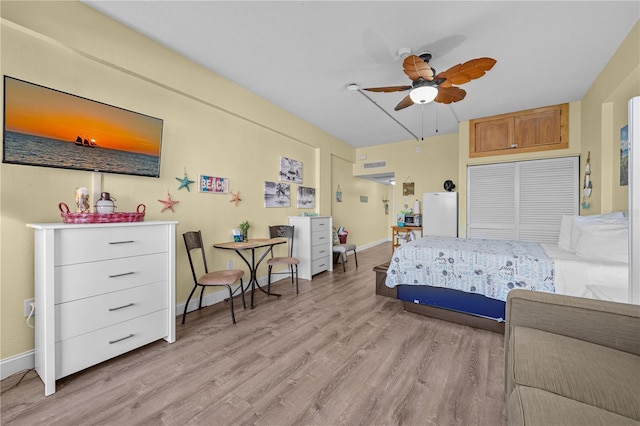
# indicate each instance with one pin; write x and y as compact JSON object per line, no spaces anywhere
{"x":49,"y":128}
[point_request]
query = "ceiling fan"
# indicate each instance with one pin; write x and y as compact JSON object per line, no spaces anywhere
{"x":428,"y":86}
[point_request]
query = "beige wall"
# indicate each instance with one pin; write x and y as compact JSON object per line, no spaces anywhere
{"x":436,"y":161}
{"x":358,"y":217}
{"x":604,"y":112}
{"x":211,"y":126}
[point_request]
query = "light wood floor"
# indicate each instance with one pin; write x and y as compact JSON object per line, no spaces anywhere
{"x":336,"y":354}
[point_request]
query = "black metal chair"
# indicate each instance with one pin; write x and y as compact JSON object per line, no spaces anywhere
{"x":224,"y":278}
{"x":283,"y":231}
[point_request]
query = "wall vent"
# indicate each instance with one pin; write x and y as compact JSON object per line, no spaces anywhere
{"x":375,"y":165}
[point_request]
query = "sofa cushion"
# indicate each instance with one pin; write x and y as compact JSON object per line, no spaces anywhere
{"x":593,"y":374}
{"x":531,"y":406}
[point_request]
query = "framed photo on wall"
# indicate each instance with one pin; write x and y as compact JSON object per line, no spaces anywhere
{"x":290,"y":170}
{"x":277,"y":194}
{"x":624,"y":156}
{"x":408,"y":188}
{"x":306,"y":198}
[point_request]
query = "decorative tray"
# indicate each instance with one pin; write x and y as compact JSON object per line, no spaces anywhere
{"x":69,"y":217}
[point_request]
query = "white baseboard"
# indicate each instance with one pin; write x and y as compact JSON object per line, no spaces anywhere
{"x":373,"y":244}
{"x":14,"y":364}
{"x":210,"y":298}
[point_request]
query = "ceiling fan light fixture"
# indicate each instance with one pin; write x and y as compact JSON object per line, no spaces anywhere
{"x":423,"y":94}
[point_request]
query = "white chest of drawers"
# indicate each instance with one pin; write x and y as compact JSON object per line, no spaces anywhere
{"x":312,"y":244}
{"x":100,"y":290}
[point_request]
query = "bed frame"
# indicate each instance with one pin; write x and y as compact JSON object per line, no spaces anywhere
{"x":446,"y":304}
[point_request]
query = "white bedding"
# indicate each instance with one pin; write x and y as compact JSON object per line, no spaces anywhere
{"x":574,"y":273}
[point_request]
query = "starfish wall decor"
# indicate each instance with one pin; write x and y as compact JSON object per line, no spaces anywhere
{"x":235,"y":197}
{"x":168,"y":203}
{"x":185,"y":182}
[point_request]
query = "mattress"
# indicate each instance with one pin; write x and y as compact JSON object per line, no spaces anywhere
{"x":487,"y":267}
{"x":574,"y":273}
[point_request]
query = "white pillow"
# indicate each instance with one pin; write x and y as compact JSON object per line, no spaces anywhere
{"x":604,"y":241}
{"x":580,"y":222}
{"x":564,"y":238}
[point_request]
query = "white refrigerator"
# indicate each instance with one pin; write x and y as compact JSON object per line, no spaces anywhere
{"x":440,"y":214}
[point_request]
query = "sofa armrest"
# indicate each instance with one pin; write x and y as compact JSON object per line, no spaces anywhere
{"x":611,"y":324}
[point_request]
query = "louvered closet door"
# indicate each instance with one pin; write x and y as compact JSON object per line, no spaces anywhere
{"x":491,"y":201}
{"x":548,"y":190}
{"x":522,"y":200}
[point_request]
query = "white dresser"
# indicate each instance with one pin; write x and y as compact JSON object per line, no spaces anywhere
{"x":312,"y":244}
{"x":100,"y":290}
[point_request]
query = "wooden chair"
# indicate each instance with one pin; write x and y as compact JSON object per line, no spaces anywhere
{"x":283,"y":231}
{"x":224,"y":278}
{"x":340,"y":251}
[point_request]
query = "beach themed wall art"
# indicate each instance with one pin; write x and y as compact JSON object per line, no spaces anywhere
{"x":213,"y":184}
{"x":277,"y":194}
{"x":290,"y":170}
{"x":624,"y":156}
{"x":306,"y":198}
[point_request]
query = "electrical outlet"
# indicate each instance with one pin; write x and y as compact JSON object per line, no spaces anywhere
{"x":27,"y":307}
{"x":229,"y":264}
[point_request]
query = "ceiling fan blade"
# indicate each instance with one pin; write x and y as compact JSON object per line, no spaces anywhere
{"x":446,"y":83}
{"x":447,"y":95}
{"x":388,"y":89}
{"x":406,"y":102}
{"x":470,"y":70}
{"x":415,"y":68}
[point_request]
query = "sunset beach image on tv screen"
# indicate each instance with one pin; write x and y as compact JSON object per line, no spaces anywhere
{"x":49,"y":128}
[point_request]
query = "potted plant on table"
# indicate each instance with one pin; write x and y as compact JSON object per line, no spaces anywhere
{"x":244,"y":227}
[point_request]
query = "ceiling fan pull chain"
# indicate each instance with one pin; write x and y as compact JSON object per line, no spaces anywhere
{"x":422,"y":120}
{"x":436,"y":118}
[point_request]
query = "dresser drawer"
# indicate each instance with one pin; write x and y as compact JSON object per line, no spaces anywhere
{"x":94,"y":278}
{"x":319,"y":251}
{"x":86,"y":315}
{"x":77,"y":245}
{"x":320,"y":225}
{"x":319,"y":238}
{"x":88,"y":349}
{"x":319,"y":265}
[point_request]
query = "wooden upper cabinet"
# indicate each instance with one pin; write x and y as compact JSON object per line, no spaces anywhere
{"x":524,"y":131}
{"x":494,"y":135}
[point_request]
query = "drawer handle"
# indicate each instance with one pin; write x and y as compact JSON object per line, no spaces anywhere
{"x":111,"y":342}
{"x":122,"y":242}
{"x":121,"y":275}
{"x":120,"y":307}
{"x":321,"y":251}
{"x":321,"y":265}
{"x":321,"y":238}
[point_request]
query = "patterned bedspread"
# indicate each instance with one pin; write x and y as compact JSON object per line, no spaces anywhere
{"x":487,"y":267}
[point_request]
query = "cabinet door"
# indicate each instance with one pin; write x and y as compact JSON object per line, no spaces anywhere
{"x":493,"y":135}
{"x":538,"y":128}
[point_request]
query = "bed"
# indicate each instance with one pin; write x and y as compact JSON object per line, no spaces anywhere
{"x":472,"y":277}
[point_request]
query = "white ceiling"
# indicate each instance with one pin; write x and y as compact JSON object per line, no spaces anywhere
{"x":301,"y":55}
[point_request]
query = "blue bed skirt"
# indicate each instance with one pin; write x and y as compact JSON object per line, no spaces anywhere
{"x":454,"y":300}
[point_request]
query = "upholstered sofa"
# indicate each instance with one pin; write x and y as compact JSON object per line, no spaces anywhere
{"x":571,"y":361}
